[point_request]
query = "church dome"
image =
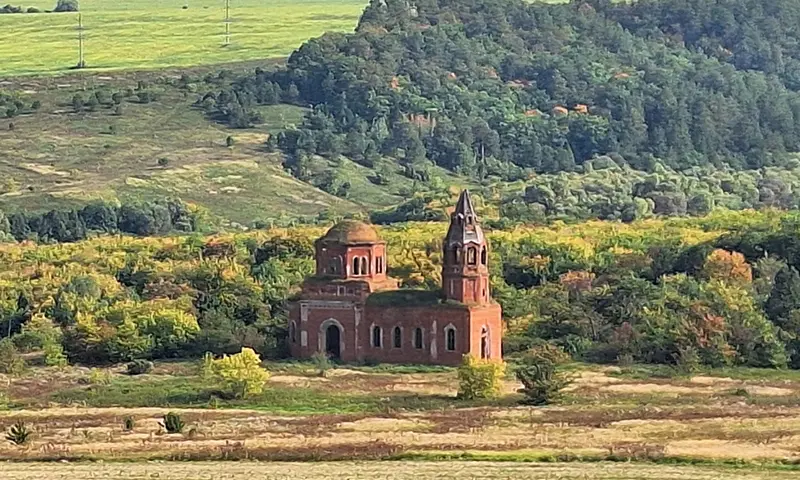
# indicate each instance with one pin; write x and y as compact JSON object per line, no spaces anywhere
{"x":348,"y":232}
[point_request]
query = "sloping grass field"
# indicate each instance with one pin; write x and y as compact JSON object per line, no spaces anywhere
{"x":150,"y":34}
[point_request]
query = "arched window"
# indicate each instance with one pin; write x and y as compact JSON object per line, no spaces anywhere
{"x":485,"y":343}
{"x":364,"y":266}
{"x":418,"y":340}
{"x":293,"y":332}
{"x":377,"y":337}
{"x":397,"y":337}
{"x":469,"y":219}
{"x":450,"y":338}
{"x":472,"y":255}
{"x":483,"y":256}
{"x":456,"y":253}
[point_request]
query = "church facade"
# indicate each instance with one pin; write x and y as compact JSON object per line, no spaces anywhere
{"x":354,"y":312}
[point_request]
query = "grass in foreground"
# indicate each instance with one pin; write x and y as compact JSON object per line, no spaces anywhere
{"x":407,"y":413}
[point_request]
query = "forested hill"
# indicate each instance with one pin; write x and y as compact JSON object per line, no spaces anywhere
{"x":506,"y":87}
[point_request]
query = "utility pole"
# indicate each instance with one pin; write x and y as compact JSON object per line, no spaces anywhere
{"x":81,"y":61}
{"x":227,"y":22}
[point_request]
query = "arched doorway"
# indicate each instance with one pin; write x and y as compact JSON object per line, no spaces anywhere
{"x":333,"y":342}
{"x":485,"y":345}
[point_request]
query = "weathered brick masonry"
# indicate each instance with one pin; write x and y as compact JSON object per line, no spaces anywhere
{"x":352,"y":310}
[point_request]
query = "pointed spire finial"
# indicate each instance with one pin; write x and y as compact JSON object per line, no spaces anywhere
{"x":464,"y":226}
{"x":464,"y":205}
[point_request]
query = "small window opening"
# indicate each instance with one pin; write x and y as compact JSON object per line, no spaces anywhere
{"x":377,"y":337}
{"x":397,"y":336}
{"x":418,"y":343}
{"x":451,"y":339}
{"x":472,"y":256}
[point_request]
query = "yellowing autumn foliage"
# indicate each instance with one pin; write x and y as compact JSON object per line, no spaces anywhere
{"x":478,"y":378}
{"x":241,"y":373}
{"x":728,"y":267}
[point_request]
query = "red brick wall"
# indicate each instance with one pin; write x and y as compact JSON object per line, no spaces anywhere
{"x":469,"y":323}
{"x":313,"y":326}
{"x":489,"y":316}
{"x":432,"y":320}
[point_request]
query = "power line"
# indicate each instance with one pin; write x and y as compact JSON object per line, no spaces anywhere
{"x":227,"y":22}
{"x":81,"y":61}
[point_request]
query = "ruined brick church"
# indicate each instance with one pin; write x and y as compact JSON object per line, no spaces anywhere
{"x":352,"y":310}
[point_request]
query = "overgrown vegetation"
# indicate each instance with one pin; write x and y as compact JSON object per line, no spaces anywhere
{"x":478,"y":378}
{"x":241,"y":374}
{"x":173,"y":423}
{"x":538,"y":373}
{"x":18,"y":434}
{"x":716,"y":290}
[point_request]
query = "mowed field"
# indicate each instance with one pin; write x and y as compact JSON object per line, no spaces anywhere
{"x":383,"y":471}
{"x":149,"y":34}
{"x":613,"y":423}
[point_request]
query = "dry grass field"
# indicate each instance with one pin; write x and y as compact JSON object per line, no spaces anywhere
{"x":717,"y":419}
{"x":382,"y":471}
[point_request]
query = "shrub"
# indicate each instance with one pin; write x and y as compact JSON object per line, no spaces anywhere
{"x":139,"y":367}
{"x":66,"y":6}
{"x":10,"y":360}
{"x":163,"y":162}
{"x":18,"y":434}
{"x":687,"y":360}
{"x":479,"y":378}
{"x":54,"y":355}
{"x":99,"y":376}
{"x":173,"y":423}
{"x":229,"y":141}
{"x":322,"y":362}
{"x":541,"y":382}
{"x":128,"y":424}
{"x":241,"y":373}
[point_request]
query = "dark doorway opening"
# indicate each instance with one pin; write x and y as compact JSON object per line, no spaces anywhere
{"x":332,"y":342}
{"x":484,"y":343}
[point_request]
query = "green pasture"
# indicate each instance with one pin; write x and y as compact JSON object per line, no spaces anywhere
{"x":148,"y":34}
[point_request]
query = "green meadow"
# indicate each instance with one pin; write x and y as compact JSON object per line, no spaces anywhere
{"x":150,"y":34}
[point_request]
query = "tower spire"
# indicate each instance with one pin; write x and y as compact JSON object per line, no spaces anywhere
{"x":465,"y":273}
{"x":464,"y":226}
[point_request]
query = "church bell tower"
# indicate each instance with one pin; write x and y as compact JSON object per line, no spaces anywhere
{"x":465,"y":270}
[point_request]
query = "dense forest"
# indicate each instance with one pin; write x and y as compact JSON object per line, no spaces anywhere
{"x":504,"y":88}
{"x":717,"y":290}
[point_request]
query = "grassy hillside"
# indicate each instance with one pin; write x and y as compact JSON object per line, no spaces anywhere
{"x":58,"y":157}
{"x":146,"y":34}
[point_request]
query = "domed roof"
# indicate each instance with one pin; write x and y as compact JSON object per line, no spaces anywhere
{"x":348,"y":232}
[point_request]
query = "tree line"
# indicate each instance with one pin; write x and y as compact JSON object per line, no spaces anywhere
{"x":71,"y":225}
